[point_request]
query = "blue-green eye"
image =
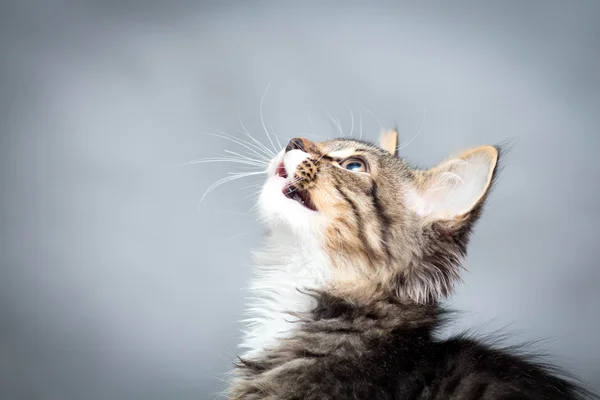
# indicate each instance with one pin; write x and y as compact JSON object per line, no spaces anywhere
{"x":354,"y":165}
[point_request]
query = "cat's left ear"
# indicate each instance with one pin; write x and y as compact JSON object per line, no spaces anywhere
{"x":455,"y":187}
{"x":388,"y":141}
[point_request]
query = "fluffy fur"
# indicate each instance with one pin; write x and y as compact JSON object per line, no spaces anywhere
{"x":360,"y":250}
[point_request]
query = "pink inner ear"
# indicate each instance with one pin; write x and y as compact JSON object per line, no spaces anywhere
{"x":422,"y":208}
{"x":455,"y":186}
{"x":418,"y":204}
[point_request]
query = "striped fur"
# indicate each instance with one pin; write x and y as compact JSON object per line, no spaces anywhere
{"x":360,"y":250}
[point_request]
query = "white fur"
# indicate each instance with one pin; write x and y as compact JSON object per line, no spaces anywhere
{"x":283,"y":270}
{"x":292,"y":261}
{"x":292,"y":159}
{"x":342,"y":153}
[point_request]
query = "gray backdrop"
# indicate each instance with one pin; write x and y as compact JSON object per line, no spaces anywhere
{"x":115,"y":284}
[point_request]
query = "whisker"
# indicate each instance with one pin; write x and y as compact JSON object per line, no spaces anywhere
{"x":245,"y":157}
{"x":335,"y":122}
{"x":314,"y":132}
{"x":352,"y":121}
{"x":257,"y":163}
{"x":252,"y":194}
{"x":376,"y":119}
{"x":212,"y":160}
{"x":276,"y":136}
{"x":254,"y":185}
{"x":236,"y":173}
{"x":319,"y":158}
{"x":232,"y":155}
{"x":262,"y":119}
{"x":229,"y":178}
{"x":418,"y":133}
{"x":257,"y":148}
{"x":254,"y":207}
{"x":296,"y":180}
{"x":360,"y":135}
{"x":247,"y":145}
{"x":339,"y":125}
{"x":259,"y":143}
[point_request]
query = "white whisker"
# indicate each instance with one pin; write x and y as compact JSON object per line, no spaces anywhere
{"x":418,"y":133}
{"x":255,"y":150}
{"x":339,"y":125}
{"x":255,"y":185}
{"x":276,"y":136}
{"x":335,"y":122}
{"x":259,"y":143}
{"x":252,"y":194}
{"x":230,"y":160}
{"x":229,"y":178}
{"x":245,"y":157}
{"x":360,"y":135}
{"x":352,"y":121}
{"x":314,"y":132}
{"x":376,"y":119}
{"x":237,"y":173}
{"x":262,"y":119}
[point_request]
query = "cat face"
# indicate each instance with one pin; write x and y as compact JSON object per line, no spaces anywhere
{"x":383,"y":225}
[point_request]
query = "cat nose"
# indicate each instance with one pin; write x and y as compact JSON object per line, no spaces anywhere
{"x":295,"y":144}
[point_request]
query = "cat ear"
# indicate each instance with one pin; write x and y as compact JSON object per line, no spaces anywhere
{"x":456,"y":186}
{"x":388,"y":141}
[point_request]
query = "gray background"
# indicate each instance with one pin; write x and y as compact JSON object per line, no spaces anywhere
{"x":114,"y":284}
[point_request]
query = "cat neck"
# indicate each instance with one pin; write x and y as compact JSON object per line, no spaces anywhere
{"x":284,"y":269}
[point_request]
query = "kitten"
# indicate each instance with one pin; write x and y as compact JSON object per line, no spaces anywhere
{"x":360,"y":250}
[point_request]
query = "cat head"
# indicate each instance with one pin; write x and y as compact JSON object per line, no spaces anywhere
{"x":384,"y":226}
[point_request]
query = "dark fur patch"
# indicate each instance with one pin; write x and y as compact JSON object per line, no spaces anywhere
{"x":384,"y":220}
{"x":386,"y":350}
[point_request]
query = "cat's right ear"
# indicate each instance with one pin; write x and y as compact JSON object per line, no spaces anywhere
{"x":449,"y":199}
{"x":455,"y":187}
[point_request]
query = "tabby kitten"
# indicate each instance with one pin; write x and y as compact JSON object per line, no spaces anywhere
{"x":360,"y":250}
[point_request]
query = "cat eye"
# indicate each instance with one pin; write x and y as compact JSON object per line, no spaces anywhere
{"x":355,"y":165}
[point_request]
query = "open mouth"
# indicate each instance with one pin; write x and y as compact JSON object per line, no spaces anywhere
{"x":301,"y":196}
{"x":292,"y":192}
